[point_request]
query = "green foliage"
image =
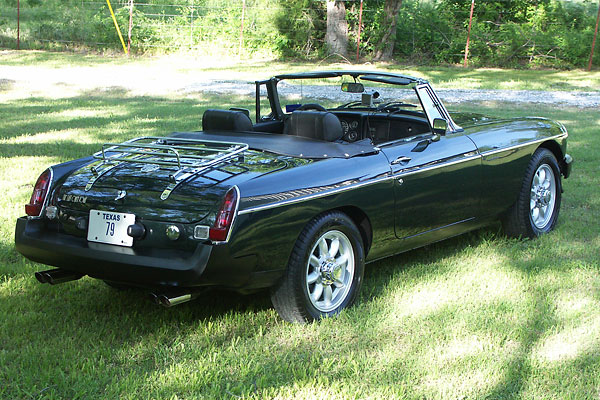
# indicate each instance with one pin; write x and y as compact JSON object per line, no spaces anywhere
{"x":507,"y":33}
{"x":158,"y":25}
{"x":104,"y":28}
{"x":301,"y":25}
{"x":511,"y":33}
{"x":372,"y":27}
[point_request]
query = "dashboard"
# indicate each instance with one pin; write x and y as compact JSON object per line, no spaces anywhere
{"x":380,"y":128}
{"x":351,"y":126}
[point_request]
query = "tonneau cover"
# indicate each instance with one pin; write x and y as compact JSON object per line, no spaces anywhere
{"x":288,"y":145}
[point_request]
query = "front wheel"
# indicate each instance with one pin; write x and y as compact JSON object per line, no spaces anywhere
{"x":536,"y":209}
{"x":324,"y":272}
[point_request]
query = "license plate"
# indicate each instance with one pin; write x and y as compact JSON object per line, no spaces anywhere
{"x":110,"y":227}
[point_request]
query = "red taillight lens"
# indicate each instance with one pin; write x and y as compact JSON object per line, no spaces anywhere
{"x":220,"y":229}
{"x":34,"y":208}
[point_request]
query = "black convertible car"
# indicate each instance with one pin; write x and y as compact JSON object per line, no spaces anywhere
{"x":298,"y":200}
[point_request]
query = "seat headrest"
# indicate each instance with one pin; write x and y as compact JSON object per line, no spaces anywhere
{"x":319,"y":125}
{"x":225,"y":120}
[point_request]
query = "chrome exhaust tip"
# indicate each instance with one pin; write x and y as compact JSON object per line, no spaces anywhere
{"x":170,"y":299}
{"x":56,"y":276}
{"x":154,"y":298}
{"x":173,"y":301}
{"x":41,"y":277}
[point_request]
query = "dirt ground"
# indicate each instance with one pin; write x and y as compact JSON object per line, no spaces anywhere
{"x":162,"y":76}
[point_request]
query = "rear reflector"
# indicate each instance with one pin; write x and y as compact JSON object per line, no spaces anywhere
{"x":201,"y":232}
{"x":220,"y":230}
{"x":40,"y":190}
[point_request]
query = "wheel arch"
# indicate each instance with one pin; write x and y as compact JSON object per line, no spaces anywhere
{"x":362,"y":222}
{"x":554,"y":148}
{"x":557,"y":150}
{"x":517,"y":221}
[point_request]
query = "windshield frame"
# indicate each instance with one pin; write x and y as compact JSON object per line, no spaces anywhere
{"x":430,"y":102}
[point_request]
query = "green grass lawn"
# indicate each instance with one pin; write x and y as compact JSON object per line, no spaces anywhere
{"x":478,"y":316}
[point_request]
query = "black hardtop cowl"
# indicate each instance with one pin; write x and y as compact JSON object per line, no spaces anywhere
{"x":287,"y":145}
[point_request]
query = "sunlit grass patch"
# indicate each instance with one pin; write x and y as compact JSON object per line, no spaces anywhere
{"x":67,"y":136}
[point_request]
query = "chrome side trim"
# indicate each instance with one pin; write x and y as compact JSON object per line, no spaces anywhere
{"x":314,"y":196}
{"x":402,"y":173}
{"x":235,"y":214}
{"x":438,"y":228}
{"x":352,"y":186}
{"x":397,"y":175}
{"x":516,"y":146}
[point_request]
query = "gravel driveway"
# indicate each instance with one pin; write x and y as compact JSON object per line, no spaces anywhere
{"x":573,"y":98}
{"x":166,"y":79}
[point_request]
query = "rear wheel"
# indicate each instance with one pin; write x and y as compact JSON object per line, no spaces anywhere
{"x":324,"y":272}
{"x":538,"y":205}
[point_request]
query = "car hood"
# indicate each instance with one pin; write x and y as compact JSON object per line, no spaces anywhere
{"x":139,"y":189}
{"x":471,"y":119}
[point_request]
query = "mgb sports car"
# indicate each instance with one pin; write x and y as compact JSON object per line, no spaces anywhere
{"x":331,"y":171}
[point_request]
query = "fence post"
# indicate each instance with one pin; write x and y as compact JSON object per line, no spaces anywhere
{"x":130,"y":26}
{"x":112,"y":13}
{"x":192,"y":27}
{"x":18,"y":25}
{"x":469,"y":32}
{"x":359,"y":26}
{"x":242,"y":28}
{"x":594,"y":41}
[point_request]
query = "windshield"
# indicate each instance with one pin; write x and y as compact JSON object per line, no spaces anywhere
{"x":376,"y":107}
{"x":377,"y":96}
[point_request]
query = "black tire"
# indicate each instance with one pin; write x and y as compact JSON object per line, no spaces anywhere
{"x":519,"y":221}
{"x":291,"y":295}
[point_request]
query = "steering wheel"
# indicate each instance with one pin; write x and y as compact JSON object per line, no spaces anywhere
{"x":394,"y":104}
{"x":311,"y":106}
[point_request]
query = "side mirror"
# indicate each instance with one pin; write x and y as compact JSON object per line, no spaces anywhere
{"x":353,"y":87}
{"x":440,"y":126}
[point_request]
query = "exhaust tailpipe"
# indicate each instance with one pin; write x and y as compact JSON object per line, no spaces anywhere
{"x":154,"y":298}
{"x":56,"y":276}
{"x":169,"y":301}
{"x":174,"y":298}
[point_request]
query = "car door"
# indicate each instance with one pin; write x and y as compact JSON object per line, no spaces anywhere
{"x":437,"y":177}
{"x":436,"y":183}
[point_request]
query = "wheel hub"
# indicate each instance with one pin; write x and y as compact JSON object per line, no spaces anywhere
{"x":543,"y":193}
{"x":330,"y":272}
{"x":545,"y":197}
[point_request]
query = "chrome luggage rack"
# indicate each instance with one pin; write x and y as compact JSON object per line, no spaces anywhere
{"x":188,"y":156}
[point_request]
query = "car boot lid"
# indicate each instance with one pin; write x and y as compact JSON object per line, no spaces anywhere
{"x":162,"y":178}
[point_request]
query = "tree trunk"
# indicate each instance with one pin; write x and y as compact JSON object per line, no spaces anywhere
{"x":386,"y":46}
{"x":336,"y":37}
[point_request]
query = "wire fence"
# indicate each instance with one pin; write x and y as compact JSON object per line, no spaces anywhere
{"x":250,"y":27}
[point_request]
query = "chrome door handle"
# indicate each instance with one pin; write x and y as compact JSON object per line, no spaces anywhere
{"x":401,"y":160}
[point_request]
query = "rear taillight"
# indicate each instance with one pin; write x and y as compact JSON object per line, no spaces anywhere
{"x":36,"y":203}
{"x":219,"y":231}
